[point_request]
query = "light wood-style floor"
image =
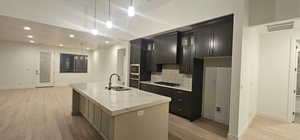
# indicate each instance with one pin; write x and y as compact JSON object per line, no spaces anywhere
{"x":263,"y":128}
{"x":44,"y":114}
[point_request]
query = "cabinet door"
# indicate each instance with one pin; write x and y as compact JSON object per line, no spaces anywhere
{"x":91,"y":109}
{"x":135,"y":51}
{"x":151,"y":59}
{"x":186,"y":55}
{"x":166,"y":49}
{"x":107,"y":126}
{"x":82,"y":105}
{"x":86,"y":108}
{"x":97,"y":119}
{"x":203,"y":41}
{"x":223,"y":35}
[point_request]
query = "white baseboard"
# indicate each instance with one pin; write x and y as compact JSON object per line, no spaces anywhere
{"x":232,"y":137}
{"x":272,"y":117}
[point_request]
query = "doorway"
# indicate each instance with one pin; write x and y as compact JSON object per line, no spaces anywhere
{"x":121,"y":69}
{"x":44,"y":72}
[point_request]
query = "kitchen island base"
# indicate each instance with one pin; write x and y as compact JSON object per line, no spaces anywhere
{"x":150,"y":123}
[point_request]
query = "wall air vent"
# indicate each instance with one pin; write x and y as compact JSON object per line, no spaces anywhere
{"x":281,"y":26}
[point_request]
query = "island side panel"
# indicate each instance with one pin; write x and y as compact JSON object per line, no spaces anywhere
{"x":146,"y":124}
{"x":75,"y":103}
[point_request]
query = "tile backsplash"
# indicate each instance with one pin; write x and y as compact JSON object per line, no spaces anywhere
{"x":170,"y":73}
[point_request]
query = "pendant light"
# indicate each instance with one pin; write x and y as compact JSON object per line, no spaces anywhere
{"x":109,"y":22}
{"x":131,"y":10}
{"x":95,"y":31}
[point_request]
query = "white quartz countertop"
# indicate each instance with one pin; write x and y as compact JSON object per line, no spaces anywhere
{"x":119,"y":102}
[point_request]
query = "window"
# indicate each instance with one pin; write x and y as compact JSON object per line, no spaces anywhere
{"x":70,"y":63}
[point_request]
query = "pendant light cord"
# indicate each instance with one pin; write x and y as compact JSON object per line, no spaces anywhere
{"x":131,"y":2}
{"x":109,"y":16}
{"x":95,"y":13}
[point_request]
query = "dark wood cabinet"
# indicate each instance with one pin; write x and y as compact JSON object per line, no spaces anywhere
{"x":187,"y":54}
{"x":166,"y":48}
{"x":203,"y":41}
{"x":133,"y":83}
{"x":135,"y":51}
{"x":151,"y":58}
{"x":182,"y":101}
{"x":214,"y":38}
{"x":223,"y":36}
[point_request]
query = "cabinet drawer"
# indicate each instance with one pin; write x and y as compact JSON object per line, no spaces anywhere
{"x":134,"y":83}
{"x":178,"y":105}
{"x":155,"y":89}
{"x":150,"y":88}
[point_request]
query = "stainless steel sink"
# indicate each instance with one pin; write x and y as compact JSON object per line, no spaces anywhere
{"x":119,"y":88}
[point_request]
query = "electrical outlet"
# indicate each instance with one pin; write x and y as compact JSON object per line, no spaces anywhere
{"x":218,"y":109}
{"x":140,"y":113}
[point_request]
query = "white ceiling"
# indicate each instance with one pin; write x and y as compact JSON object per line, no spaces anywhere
{"x":153,"y":16}
{"x":11,"y":29}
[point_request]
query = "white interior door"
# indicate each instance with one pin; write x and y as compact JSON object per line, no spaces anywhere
{"x":44,"y":70}
{"x":223,"y":85}
{"x":216,"y":94}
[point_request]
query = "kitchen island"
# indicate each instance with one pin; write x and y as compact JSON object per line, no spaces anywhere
{"x":122,"y":115}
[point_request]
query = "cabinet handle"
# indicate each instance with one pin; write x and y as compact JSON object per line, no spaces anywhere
{"x":209,"y":51}
{"x":179,"y":109}
{"x":179,"y":100}
{"x":213,"y":43}
{"x":181,"y":92}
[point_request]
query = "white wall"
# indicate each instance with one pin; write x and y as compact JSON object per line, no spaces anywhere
{"x":249,"y":77}
{"x":18,"y":66}
{"x":274,"y":73}
{"x":105,"y":60}
{"x":62,"y":79}
{"x":266,"y":11}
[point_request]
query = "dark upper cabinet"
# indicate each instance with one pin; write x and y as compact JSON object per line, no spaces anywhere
{"x":214,"y":38}
{"x":203,"y":41}
{"x":135,"y":51}
{"x":166,"y":48}
{"x":222,"y":36}
{"x":151,"y":59}
{"x":187,"y":54}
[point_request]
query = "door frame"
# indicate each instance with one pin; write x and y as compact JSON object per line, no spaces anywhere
{"x":37,"y":71}
{"x":293,"y":78}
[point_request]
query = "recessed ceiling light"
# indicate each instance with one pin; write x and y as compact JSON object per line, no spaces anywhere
{"x":29,"y":36}
{"x":32,"y":41}
{"x":27,"y":28}
{"x":87,"y":48}
{"x":94,"y":32}
{"x":61,"y":45}
{"x":106,"y":42}
{"x":71,"y":36}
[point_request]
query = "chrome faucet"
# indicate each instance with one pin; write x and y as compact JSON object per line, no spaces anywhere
{"x":109,"y":84}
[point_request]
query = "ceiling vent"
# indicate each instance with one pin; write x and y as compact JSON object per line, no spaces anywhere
{"x":281,"y":26}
